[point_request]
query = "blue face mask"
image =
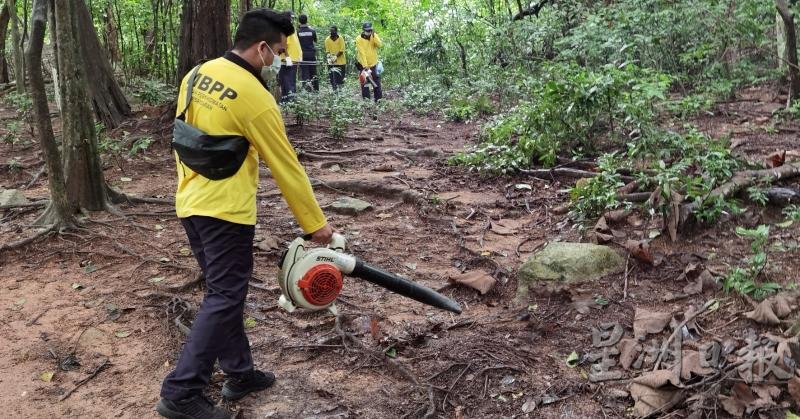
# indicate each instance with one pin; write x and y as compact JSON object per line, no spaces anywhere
{"x":275,"y":67}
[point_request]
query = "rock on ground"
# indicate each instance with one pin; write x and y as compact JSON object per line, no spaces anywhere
{"x":568,"y":262}
{"x":12,"y":197}
{"x":350,"y":206}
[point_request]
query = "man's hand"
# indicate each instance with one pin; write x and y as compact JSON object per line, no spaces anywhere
{"x":323,"y":235}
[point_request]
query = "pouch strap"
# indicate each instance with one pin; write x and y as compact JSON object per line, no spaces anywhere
{"x":189,"y":87}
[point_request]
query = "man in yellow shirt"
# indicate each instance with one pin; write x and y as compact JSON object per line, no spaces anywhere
{"x":334,"y":49}
{"x":290,"y":58}
{"x":367,"y":45}
{"x":229,"y":97}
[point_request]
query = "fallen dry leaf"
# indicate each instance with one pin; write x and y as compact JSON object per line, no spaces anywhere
{"x":673,"y":218}
{"x":658,"y":378}
{"x":499,"y":228}
{"x":479,"y":280}
{"x":640,"y":249}
{"x":763,"y":314}
{"x":645,"y":322}
{"x":776,"y":159}
{"x":766,"y":396}
{"x":583,"y":303}
{"x":269,"y":243}
{"x":781,"y":305}
{"x":733,"y":406}
{"x":794,"y":388}
{"x":690,"y":364}
{"x":647,"y":399}
{"x":628,"y":349}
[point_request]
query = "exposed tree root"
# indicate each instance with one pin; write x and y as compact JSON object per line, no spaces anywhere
{"x":409,"y":196}
{"x":34,"y":204}
{"x":118,"y":197}
{"x":24,"y":242}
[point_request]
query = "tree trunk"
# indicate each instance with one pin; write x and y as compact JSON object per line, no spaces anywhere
{"x":205,"y":32}
{"x":4,"y":18}
{"x":791,"y":50}
{"x":244,"y":6}
{"x":108,"y":101}
{"x":85,"y":184}
{"x":111,"y":35}
{"x":59,"y":212}
{"x":19,"y":64}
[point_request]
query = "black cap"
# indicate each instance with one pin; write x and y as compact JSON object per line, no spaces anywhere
{"x":367,"y":26}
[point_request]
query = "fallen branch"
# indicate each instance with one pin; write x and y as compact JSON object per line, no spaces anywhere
{"x":739,"y":181}
{"x":678,"y":329}
{"x":80,"y":383}
{"x":566,"y":172}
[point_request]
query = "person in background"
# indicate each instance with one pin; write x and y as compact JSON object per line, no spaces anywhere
{"x":308,"y":44}
{"x":219,"y":216}
{"x":287,"y":76}
{"x":334,"y":49}
{"x":367,"y":45}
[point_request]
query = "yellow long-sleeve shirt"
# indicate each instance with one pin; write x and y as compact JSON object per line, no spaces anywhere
{"x":228,"y":99}
{"x":335,"y":47}
{"x":367,"y":50}
{"x":293,"y":48}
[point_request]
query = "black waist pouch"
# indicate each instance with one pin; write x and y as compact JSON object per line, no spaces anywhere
{"x":215,"y":157}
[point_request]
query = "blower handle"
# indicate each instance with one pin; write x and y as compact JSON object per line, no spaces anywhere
{"x":404,"y":287}
{"x":337,"y":243}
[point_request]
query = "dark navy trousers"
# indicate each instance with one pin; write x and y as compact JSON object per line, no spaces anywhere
{"x":224,"y":251}
{"x":287,"y":77}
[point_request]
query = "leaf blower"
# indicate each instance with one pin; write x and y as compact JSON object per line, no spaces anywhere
{"x":365,"y":77}
{"x":311,"y":278}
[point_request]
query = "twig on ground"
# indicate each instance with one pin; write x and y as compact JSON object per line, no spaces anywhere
{"x":80,"y":383}
{"x":678,"y":329}
{"x":35,"y":318}
{"x":625,"y":288}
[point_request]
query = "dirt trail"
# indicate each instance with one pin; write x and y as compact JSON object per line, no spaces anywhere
{"x":105,"y":294}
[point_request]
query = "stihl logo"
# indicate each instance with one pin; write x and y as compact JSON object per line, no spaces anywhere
{"x":325,"y":259}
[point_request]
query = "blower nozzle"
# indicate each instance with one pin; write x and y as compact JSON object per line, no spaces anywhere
{"x":404,"y":287}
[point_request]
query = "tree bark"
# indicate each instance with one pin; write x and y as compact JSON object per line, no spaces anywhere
{"x":244,"y":6}
{"x":791,"y":50}
{"x":4,"y":18}
{"x":205,"y":32}
{"x":108,"y":101}
{"x":59,"y":211}
{"x":19,"y":64}
{"x":85,"y":184}
{"x":111,"y":35}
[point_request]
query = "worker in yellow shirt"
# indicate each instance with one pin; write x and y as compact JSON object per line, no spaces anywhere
{"x":229,"y":99}
{"x":334,"y":49}
{"x":367,"y":45}
{"x":290,"y":58}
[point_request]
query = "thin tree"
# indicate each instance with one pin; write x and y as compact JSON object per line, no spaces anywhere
{"x":16,"y":49}
{"x":85,"y":184}
{"x":59,"y":212}
{"x":4,"y":18}
{"x":205,"y":32}
{"x":791,"y":50}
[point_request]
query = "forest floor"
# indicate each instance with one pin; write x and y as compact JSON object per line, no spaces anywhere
{"x":98,"y":304}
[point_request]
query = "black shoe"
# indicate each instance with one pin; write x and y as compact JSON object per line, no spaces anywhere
{"x":236,"y":388}
{"x":195,"y":407}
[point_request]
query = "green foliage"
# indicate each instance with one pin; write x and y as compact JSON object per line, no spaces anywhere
{"x":757,"y":194}
{"x":569,"y":108}
{"x":592,"y":197}
{"x":339,"y":109}
{"x":14,"y":165}
{"x":140,"y":146}
{"x":153,"y":92}
{"x":468,"y":108}
{"x":744,"y":279}
{"x":792,"y":212}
